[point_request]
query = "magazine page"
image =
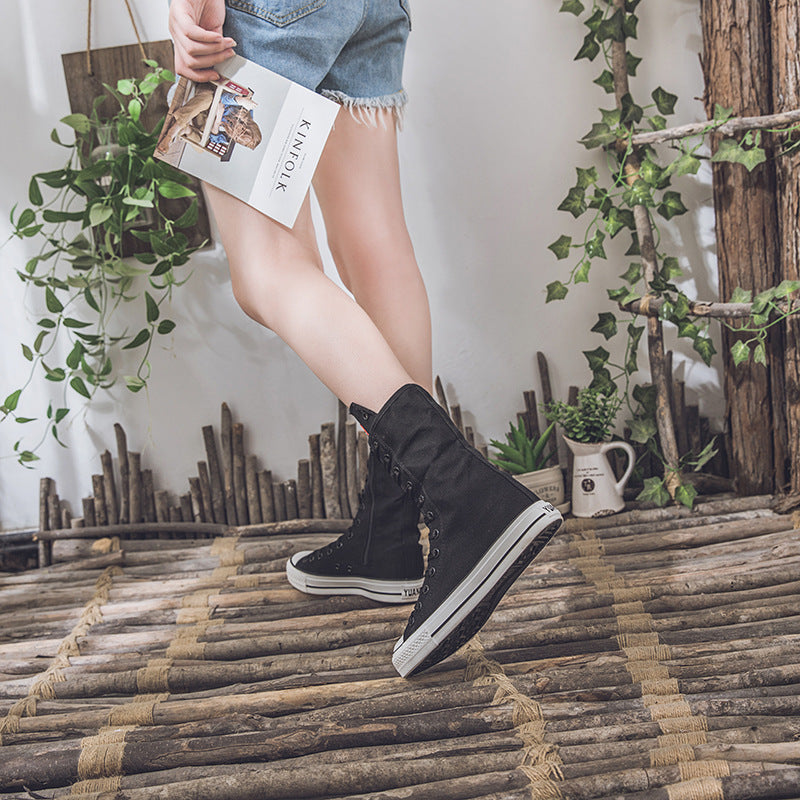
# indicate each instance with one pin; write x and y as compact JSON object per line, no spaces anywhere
{"x":252,"y":133}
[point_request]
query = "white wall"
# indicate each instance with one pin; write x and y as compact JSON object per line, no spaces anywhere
{"x":489,"y":150}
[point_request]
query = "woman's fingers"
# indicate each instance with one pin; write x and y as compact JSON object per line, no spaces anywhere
{"x":199,"y":43}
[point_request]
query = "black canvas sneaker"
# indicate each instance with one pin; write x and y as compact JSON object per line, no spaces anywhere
{"x":485,"y":526}
{"x":379,"y":557}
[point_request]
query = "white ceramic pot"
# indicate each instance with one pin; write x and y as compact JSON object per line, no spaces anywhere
{"x":548,"y":483}
{"x":595,"y":490}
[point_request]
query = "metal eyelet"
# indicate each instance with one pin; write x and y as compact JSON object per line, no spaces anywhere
{"x":349,"y":534}
{"x":349,"y":569}
{"x":434,"y":553}
{"x":339,"y":545}
{"x":430,"y":516}
{"x":364,"y":416}
{"x":409,"y":487}
{"x":426,"y":589}
{"x":430,"y":572}
{"x":396,"y":471}
{"x":421,"y":499}
{"x":386,"y":458}
{"x":418,"y":605}
{"x":434,"y":534}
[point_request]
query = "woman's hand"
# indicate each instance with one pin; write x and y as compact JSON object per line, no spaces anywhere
{"x":196,"y":30}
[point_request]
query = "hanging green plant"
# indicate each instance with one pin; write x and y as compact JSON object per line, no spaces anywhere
{"x":110,"y":188}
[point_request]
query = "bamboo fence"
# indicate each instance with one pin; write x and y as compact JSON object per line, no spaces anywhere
{"x":652,"y":655}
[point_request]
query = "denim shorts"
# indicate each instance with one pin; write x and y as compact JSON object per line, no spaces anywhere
{"x":350,"y":51}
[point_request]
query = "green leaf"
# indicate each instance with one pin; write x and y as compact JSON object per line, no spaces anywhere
{"x":594,"y":247}
{"x":654,"y":492}
{"x":632,"y":62}
{"x":787,"y":287}
{"x":69,"y":322}
{"x":688,"y":329}
{"x":78,"y":122}
{"x":171,"y":189}
{"x":89,"y":297}
{"x":56,"y":374}
{"x":613,"y":222}
{"x":597,"y":358}
{"x":138,"y":340}
{"x":760,"y":354}
{"x":606,"y":324}
{"x":586,"y":177}
{"x":166,"y":326}
{"x":664,"y":100}
{"x":152,"y":307}
{"x":705,"y":347}
{"x":582,"y":272}
{"x":732,"y":151}
{"x":629,"y":26}
{"x":561,"y":246}
{"x":670,"y":268}
{"x":605,"y":81}
{"x":753,"y":157}
{"x":643,"y":429}
{"x":722,"y":114}
{"x":657,"y":122}
{"x":684,"y":165}
{"x":134,"y":383}
{"x":27,"y":456}
{"x":599,"y":136}
{"x":638,"y":194}
{"x":189,"y":217}
{"x":686,"y":494}
{"x":611,"y":28}
{"x":126,"y":86}
{"x":611,"y":116}
{"x":62,"y":216}
{"x":99,"y":213}
{"x":589,"y":49}
{"x":54,"y":305}
{"x":79,"y":386}
{"x":74,"y":358}
{"x":572,"y":7}
{"x":556,"y":291}
{"x":633,"y":274}
{"x":34,"y":195}
{"x":60,"y":414}
{"x":631,"y":113}
{"x":135,"y":109}
{"x":37,"y":344}
{"x":23,"y":420}
{"x":705,"y":455}
{"x":11,"y":401}
{"x":574,"y":202}
{"x":617,"y":294}
{"x":671,"y":205}
{"x":26,"y":218}
{"x":27,"y":352}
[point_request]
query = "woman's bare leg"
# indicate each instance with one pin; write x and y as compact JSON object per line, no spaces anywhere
{"x":277,"y":281}
{"x":358,"y":186}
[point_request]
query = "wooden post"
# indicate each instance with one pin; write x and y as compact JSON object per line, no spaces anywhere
{"x":560,"y":456}
{"x":88,"y":512}
{"x":99,"y":492}
{"x":251,"y":480}
{"x":186,"y":507}
{"x":280,"y":501}
{"x":198,"y":512}
{"x":353,"y":485}
{"x":455,"y":413}
{"x":148,"y":496}
{"x":442,"y":397}
{"x":330,"y":483}
{"x":304,"y":488}
{"x":785,"y":39}
{"x":290,"y":496}
{"x":315,"y":465}
{"x":341,"y":461}
{"x":122,"y":457}
{"x":226,"y":455}
{"x":363,"y":456}
{"x":736,"y":64}
{"x":205,"y":490}
{"x":44,"y":547}
{"x":531,"y":413}
{"x":135,"y":486}
{"x":265,"y":496}
{"x":238,"y":470}
{"x":214,"y":474}
{"x":162,"y":506}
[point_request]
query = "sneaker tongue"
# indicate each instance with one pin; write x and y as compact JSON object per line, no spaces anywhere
{"x":364,"y":416}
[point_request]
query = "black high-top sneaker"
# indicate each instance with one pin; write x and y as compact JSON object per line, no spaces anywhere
{"x":485,"y":526}
{"x":379,"y":557}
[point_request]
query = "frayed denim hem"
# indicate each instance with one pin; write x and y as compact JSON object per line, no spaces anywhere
{"x":365,"y":109}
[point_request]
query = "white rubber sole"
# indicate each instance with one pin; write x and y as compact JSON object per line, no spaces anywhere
{"x":459,"y":618}
{"x":380,"y":590}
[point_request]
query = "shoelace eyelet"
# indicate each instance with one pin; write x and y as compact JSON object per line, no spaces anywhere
{"x":409,"y":487}
{"x":434,"y":553}
{"x":430,"y":516}
{"x":339,"y":545}
{"x":396,"y":471}
{"x":426,"y":589}
{"x":430,"y":572}
{"x":434,"y":534}
{"x":349,"y":569}
{"x":420,"y":499}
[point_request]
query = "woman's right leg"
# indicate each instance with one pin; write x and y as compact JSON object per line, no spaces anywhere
{"x":277,"y":281}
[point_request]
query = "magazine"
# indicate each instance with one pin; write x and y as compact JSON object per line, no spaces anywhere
{"x":252,"y":133}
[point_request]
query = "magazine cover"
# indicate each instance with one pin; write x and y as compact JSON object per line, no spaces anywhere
{"x":252,"y":133}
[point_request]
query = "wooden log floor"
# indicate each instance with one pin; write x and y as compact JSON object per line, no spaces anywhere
{"x":653,"y":655}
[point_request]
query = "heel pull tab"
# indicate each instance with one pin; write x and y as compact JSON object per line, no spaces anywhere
{"x":364,"y":416}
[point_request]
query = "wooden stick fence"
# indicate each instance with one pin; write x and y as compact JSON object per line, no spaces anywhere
{"x":652,"y":655}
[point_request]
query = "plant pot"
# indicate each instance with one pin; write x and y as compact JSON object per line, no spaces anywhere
{"x":595,"y":490}
{"x":548,"y":484}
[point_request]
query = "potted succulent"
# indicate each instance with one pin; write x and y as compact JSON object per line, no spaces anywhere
{"x":525,"y":458}
{"x":587,"y":427}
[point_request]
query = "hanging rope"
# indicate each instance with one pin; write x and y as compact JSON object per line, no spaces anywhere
{"x":89,"y":70}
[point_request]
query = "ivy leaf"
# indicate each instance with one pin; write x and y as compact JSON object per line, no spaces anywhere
{"x":611,"y":116}
{"x":632,"y":62}
{"x":722,"y":114}
{"x":556,"y":291}
{"x":740,"y":352}
{"x":705,"y":347}
{"x":687,"y":329}
{"x":657,"y":122}
{"x":760,"y":354}
{"x":599,"y":136}
{"x":631,"y":113}
{"x":572,"y":7}
{"x":686,"y":494}
{"x":605,"y":81}
{"x":561,"y":246}
{"x":597,"y":358}
{"x":586,"y":177}
{"x":664,"y":100}
{"x":611,"y":28}
{"x":642,"y":429}
{"x":606,"y":324}
{"x":732,"y":151}
{"x":79,"y":386}
{"x":787,"y":287}
{"x":685,"y":165}
{"x":589,"y":49}
{"x":582,"y":273}
{"x":670,"y":268}
{"x":594,"y":247}
{"x":613,"y":222}
{"x":654,"y":492}
{"x":602,"y":382}
{"x":574,"y":202}
{"x":671,"y":205}
{"x":633,"y":274}
{"x":617,"y":294}
{"x":638,"y":194}
{"x":593,"y":22}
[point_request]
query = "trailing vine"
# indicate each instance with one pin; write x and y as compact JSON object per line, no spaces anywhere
{"x":110,"y":186}
{"x":639,"y":177}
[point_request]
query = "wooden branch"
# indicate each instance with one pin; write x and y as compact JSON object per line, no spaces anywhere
{"x":698,"y":308}
{"x":728,"y":128}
